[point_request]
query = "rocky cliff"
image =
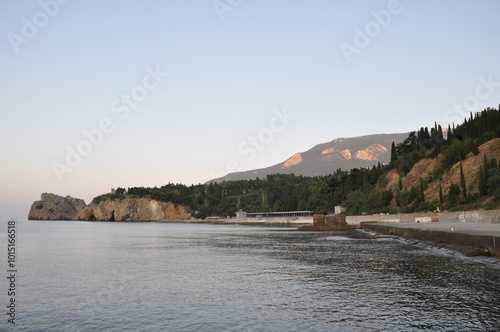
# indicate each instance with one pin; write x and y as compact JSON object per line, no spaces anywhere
{"x":54,"y":207}
{"x":133,"y":209}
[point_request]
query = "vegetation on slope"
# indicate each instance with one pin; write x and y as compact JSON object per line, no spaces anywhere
{"x":428,"y":170}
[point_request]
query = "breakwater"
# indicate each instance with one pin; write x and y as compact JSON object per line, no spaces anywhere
{"x":477,"y":235}
{"x":479,"y":216}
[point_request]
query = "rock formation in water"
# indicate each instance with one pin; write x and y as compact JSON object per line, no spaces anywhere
{"x":133,"y":209}
{"x":54,"y":207}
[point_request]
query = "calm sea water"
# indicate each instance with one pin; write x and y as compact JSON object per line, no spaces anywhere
{"x":82,"y":276}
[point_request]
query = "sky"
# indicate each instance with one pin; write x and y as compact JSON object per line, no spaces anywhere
{"x":97,"y":95}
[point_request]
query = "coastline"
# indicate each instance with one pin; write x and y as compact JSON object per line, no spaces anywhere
{"x":469,"y":232}
{"x":474,"y":216}
{"x":478,"y":230}
{"x":482,"y":236}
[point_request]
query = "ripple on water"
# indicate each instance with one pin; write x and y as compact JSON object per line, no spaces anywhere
{"x":151,"y":277}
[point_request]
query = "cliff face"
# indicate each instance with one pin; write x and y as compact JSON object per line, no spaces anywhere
{"x":133,"y":209}
{"x":54,"y":207}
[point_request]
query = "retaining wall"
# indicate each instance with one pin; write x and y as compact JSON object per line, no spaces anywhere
{"x":484,"y":216}
{"x":489,"y":242}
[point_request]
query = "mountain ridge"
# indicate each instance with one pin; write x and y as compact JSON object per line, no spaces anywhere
{"x":325,"y":158}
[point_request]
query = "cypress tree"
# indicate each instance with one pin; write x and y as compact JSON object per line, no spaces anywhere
{"x":483,"y":181}
{"x":441,"y":200}
{"x":397,"y":197}
{"x":462,"y":181}
{"x":440,"y":134}
{"x":421,"y":193}
{"x":453,"y":194}
{"x":486,"y":173}
{"x":393,"y":153}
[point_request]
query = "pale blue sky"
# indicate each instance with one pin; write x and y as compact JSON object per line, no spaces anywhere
{"x":227,"y":77}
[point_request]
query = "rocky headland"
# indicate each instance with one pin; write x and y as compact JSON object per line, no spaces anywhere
{"x":54,"y":207}
{"x":133,"y":209}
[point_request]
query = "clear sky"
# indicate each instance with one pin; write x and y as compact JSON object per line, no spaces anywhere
{"x":119,"y":93}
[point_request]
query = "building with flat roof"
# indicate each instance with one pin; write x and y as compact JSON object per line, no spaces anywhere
{"x":242,"y":215}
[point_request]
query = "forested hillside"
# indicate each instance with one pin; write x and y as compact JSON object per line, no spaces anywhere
{"x":456,"y":168}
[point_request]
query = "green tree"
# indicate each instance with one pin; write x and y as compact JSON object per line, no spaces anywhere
{"x":462,"y":181}
{"x":483,"y":181}
{"x":441,"y":200}
{"x":494,"y":181}
{"x":453,"y":195}
{"x":120,"y":191}
{"x":393,"y":153}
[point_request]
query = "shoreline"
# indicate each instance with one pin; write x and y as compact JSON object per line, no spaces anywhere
{"x":479,"y":230}
{"x":482,"y":237}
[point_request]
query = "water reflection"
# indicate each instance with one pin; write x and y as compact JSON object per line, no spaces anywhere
{"x":376,"y":280}
{"x":150,"y":277}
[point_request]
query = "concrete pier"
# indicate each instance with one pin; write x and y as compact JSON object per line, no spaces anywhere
{"x":478,"y":235}
{"x":479,"y":216}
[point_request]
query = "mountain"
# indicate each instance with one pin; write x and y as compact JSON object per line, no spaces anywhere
{"x":323,"y":159}
{"x":454,"y":169}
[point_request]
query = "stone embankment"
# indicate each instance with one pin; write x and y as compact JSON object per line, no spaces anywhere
{"x":476,"y":232}
{"x":480,"y":216}
{"x":484,"y":237}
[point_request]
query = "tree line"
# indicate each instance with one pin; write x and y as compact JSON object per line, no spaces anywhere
{"x":357,"y":189}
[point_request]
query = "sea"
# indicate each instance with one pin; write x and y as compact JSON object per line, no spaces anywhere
{"x":114,"y":276}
